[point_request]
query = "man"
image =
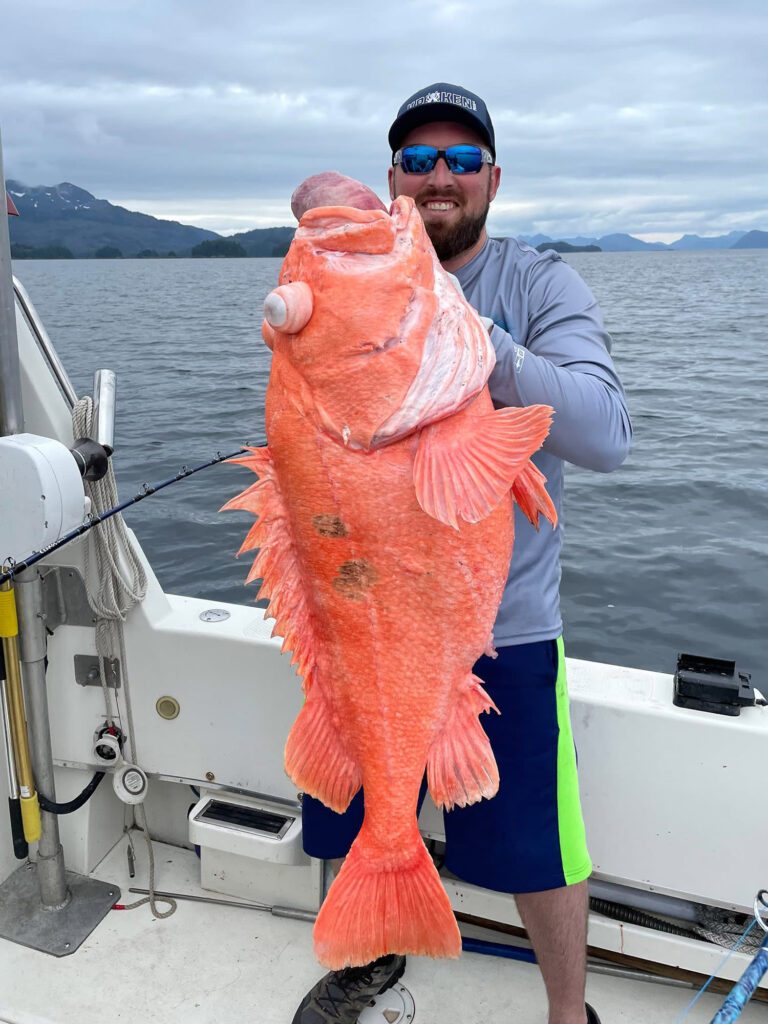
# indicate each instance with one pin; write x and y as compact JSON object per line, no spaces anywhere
{"x":551,"y":348}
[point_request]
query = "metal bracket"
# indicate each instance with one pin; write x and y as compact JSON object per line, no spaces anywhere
{"x":24,"y":920}
{"x":87,"y":671}
{"x":65,"y":598}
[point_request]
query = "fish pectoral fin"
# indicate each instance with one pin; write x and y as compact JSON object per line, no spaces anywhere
{"x":461,"y":768}
{"x":463,"y":468}
{"x":317,"y":758}
{"x":529,"y":492}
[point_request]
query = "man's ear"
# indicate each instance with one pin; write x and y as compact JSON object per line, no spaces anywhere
{"x":495,"y":180}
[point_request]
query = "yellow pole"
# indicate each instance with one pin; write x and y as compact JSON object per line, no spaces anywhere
{"x":9,"y":631}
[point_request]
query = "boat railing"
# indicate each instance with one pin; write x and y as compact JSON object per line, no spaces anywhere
{"x":45,"y":343}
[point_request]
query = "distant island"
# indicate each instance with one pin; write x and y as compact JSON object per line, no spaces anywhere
{"x":65,"y":221}
{"x":752,"y":240}
{"x":567,"y":247}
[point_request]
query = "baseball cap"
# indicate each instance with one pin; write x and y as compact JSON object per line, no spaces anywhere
{"x":443,"y":102}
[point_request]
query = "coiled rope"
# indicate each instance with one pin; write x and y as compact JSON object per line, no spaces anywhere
{"x":724,"y":929}
{"x":121,"y":584}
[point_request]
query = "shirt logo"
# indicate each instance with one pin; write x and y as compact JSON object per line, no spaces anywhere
{"x":519,"y":357}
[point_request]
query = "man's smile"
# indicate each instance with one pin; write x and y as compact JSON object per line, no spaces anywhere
{"x":440,"y":204}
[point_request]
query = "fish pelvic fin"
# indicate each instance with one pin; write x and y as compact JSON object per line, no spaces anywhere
{"x":463,"y":468}
{"x":373,"y":909}
{"x":276,"y":562}
{"x":461,"y":768}
{"x":316,"y":757}
{"x":529,"y":492}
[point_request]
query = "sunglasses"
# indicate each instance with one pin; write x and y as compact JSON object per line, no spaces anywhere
{"x":460,"y":159}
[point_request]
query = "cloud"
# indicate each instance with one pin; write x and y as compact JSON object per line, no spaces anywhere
{"x":628,"y":113}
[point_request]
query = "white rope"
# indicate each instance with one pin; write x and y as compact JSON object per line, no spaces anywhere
{"x":724,"y":928}
{"x":121,"y":584}
{"x":151,"y":899}
{"x":117,"y":591}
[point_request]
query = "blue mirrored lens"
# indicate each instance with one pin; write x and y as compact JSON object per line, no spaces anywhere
{"x":460,"y":159}
{"x":419,"y":159}
{"x":464,"y":159}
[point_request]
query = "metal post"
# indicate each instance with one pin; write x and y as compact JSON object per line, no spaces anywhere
{"x":54,"y":893}
{"x":11,"y":418}
{"x":41,"y":905}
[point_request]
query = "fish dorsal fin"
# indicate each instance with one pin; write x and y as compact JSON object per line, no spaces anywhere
{"x":276,"y":562}
{"x":464,"y":467}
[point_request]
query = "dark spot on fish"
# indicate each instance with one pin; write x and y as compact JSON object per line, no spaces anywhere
{"x":355,"y":578}
{"x":329,"y":526}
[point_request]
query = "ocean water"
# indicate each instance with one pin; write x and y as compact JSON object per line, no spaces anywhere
{"x":668,"y":554}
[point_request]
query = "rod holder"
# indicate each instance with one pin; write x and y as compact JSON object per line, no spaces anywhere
{"x":103,"y":432}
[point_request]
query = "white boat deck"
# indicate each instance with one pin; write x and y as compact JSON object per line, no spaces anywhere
{"x":214,"y":965}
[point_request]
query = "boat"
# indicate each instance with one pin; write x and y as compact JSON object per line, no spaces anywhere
{"x":168,"y":736}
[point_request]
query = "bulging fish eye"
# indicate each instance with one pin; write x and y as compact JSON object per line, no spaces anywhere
{"x":289,"y":307}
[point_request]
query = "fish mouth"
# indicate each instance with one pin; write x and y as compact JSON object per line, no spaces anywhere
{"x":348,"y":230}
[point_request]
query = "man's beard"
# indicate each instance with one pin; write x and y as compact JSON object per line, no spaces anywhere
{"x":452,"y":240}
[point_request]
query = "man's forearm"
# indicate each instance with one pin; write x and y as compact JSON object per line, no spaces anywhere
{"x":591,"y":426}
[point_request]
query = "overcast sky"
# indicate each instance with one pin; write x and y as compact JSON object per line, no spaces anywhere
{"x":646,"y":116}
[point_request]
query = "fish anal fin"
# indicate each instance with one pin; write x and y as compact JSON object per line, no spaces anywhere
{"x":529,"y":492}
{"x":371,"y":911}
{"x":277,"y":562}
{"x":317,"y":758}
{"x":463,"y":468}
{"x":461,"y":768}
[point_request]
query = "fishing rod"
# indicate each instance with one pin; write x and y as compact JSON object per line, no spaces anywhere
{"x":745,"y":987}
{"x":15,"y":567}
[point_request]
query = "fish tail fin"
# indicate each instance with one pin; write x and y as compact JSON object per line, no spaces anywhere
{"x":316,"y":757}
{"x":373,"y":909}
{"x":461,"y":768}
{"x":529,"y":492}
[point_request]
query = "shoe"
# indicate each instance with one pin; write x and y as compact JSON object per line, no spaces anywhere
{"x":341,"y":996}
{"x":592,"y":1017}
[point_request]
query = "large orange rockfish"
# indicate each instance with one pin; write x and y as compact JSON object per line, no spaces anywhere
{"x":385,"y":528}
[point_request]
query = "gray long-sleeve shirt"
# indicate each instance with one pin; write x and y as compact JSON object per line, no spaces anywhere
{"x":551,"y":349}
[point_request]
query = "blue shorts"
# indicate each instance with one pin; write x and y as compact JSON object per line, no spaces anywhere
{"x":530,"y":836}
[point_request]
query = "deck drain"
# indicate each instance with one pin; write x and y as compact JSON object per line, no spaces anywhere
{"x":395,"y":1006}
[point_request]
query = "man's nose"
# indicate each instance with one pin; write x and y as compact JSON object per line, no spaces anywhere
{"x":441,"y":174}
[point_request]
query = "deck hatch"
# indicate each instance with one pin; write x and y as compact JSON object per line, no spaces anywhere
{"x":246,"y":819}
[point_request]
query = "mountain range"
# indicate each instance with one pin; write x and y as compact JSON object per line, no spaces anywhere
{"x":71,"y":219}
{"x":627,"y":243}
{"x":65,"y":219}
